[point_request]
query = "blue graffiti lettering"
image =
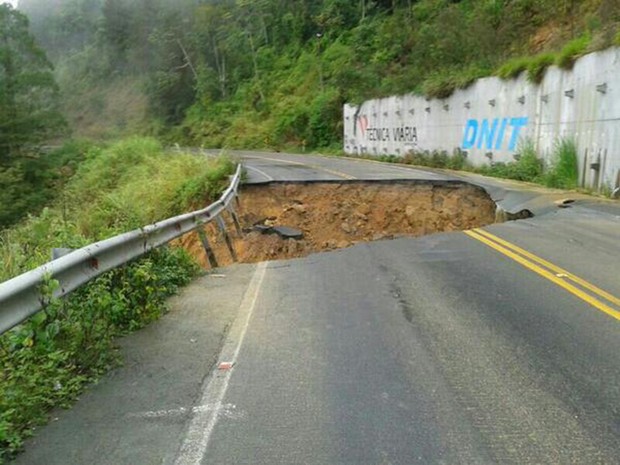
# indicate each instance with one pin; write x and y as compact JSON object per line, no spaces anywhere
{"x":517,"y":124}
{"x":469,"y":137}
{"x":500,"y":136}
{"x":487,"y":134}
{"x":491,"y":134}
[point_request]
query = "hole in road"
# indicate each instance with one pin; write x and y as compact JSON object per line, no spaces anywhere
{"x":334,"y":215}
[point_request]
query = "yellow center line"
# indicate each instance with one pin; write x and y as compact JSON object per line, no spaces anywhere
{"x":316,"y":167}
{"x":475,"y":234}
{"x":566,"y":274}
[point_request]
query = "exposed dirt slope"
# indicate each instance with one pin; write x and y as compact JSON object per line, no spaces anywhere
{"x":337,"y":215}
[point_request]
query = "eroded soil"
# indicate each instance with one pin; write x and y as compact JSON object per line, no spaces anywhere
{"x":337,"y":215}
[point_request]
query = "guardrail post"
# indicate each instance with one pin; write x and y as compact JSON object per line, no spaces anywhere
{"x":222,"y":226}
{"x":235,"y":219}
{"x":207,"y":246}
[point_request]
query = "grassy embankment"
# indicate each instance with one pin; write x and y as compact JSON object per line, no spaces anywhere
{"x":48,"y":360}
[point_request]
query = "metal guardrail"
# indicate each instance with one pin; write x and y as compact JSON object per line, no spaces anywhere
{"x":20,"y":297}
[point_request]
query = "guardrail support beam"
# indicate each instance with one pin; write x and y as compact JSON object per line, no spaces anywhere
{"x":207,"y":246}
{"x":236,"y":222}
{"x":220,"y":223}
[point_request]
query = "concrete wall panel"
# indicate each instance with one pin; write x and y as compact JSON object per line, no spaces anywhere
{"x":491,"y":118}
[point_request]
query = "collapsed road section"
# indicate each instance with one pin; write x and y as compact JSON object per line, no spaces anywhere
{"x":282,"y":220}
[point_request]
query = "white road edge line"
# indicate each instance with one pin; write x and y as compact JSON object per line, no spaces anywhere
{"x":262,"y":173}
{"x":203,"y":422}
{"x":179,"y":412}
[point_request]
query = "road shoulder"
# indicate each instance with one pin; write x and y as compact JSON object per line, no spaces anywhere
{"x":138,"y":412}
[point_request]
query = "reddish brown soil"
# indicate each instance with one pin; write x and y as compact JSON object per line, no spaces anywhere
{"x":334,"y":216}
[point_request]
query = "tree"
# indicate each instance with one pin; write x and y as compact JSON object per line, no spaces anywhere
{"x":28,"y":94}
{"x":116,"y":31}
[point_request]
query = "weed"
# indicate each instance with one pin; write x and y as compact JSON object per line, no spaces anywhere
{"x":48,"y":359}
{"x":563,"y":172}
{"x":442,"y":84}
{"x":434,"y":159}
{"x":513,"y":68}
{"x":538,"y":65}
{"x":573,"y":50}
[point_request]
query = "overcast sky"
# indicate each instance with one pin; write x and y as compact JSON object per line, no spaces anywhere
{"x":12,"y":2}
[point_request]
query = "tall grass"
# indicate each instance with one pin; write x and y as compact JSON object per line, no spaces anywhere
{"x":47,"y":360}
{"x":127,"y":185}
{"x":538,"y":65}
{"x":513,"y":68}
{"x":563,"y":171}
{"x":572,"y":51}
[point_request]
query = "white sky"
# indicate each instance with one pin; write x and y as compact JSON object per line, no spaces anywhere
{"x":12,"y":2}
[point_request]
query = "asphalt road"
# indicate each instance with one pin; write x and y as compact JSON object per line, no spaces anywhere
{"x":495,"y":346}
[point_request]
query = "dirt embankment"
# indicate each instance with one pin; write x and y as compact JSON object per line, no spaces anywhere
{"x":337,"y":215}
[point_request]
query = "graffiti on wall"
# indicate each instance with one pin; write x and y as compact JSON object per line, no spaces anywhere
{"x":494,"y":134}
{"x":387,"y":134}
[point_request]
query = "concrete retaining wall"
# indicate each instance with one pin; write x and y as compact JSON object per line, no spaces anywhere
{"x":490,"y":119}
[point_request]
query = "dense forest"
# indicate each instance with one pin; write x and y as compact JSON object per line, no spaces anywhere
{"x":275,"y":73}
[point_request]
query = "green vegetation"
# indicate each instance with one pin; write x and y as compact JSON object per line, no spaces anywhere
{"x":47,"y":360}
{"x":28,"y":94}
{"x":444,"y":83}
{"x":35,"y":181}
{"x":527,"y":167}
{"x":513,"y":67}
{"x":28,"y":116}
{"x":272,"y":74}
{"x":561,"y":172}
{"x":100,"y":199}
{"x":572,"y":50}
{"x":537,"y":65}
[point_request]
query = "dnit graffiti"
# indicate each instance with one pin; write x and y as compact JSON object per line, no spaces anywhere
{"x":493,"y":134}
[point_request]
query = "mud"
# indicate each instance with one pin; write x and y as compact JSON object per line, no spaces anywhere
{"x":337,"y":215}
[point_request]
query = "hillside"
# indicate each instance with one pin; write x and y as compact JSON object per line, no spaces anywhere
{"x":273,"y":73}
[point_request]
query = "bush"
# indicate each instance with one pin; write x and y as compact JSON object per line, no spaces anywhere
{"x":458,"y":161}
{"x":33,"y":182}
{"x":438,"y":86}
{"x":528,"y":167}
{"x":48,"y":359}
{"x":535,"y":67}
{"x":325,"y":115}
{"x":563,"y":172}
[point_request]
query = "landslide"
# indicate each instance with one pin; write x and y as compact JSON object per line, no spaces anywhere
{"x":337,"y":215}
